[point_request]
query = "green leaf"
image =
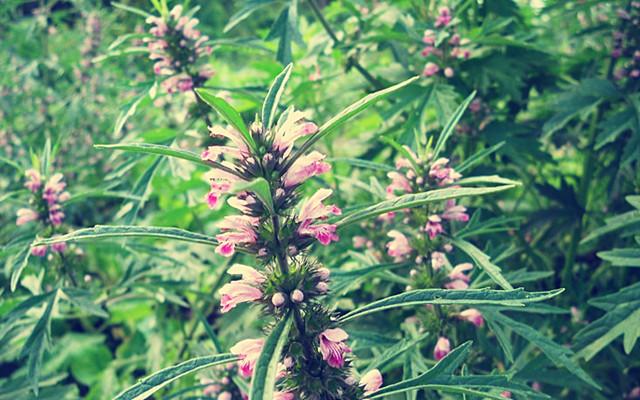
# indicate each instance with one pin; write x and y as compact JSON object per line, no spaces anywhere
{"x":158,"y":149}
{"x":450,"y":126}
{"x":477,"y":157}
{"x":7,"y":321}
{"x":630,"y":219}
{"x":121,"y":231}
{"x":508,"y":298}
{"x":357,"y":162}
{"x":20,"y":262}
{"x":151,"y":384}
{"x":391,"y":353}
{"x":561,"y":356}
{"x":83,"y":299}
{"x":245,"y":12}
{"x":129,"y":210}
{"x":228,"y":113}
{"x":622,"y":318}
{"x":349,"y":112}
{"x":443,"y":98}
{"x":483,"y":261}
{"x":260,"y":187}
{"x":263,"y":380}
{"x":414,"y":200}
{"x":270,"y":105}
{"x":629,"y":257}
{"x":129,"y":109}
{"x":38,"y":342}
{"x":285,"y":29}
{"x":130,"y":9}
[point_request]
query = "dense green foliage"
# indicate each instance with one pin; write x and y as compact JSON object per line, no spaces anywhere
{"x":483,"y":159}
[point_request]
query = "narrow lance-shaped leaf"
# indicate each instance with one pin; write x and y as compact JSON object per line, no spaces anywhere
{"x":148,"y":148}
{"x":347,"y":114}
{"x":38,"y":342}
{"x":20,"y":262}
{"x":559,"y":355}
{"x":508,"y":298}
{"x":263,"y":380}
{"x":483,"y":261}
{"x":270,"y":105}
{"x":227,"y":112}
{"x":414,"y":200}
{"x":450,"y":126}
{"x":151,"y":384}
{"x":120,"y":231}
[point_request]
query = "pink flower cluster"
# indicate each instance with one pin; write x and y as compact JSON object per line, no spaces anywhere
{"x":236,"y":162}
{"x":626,"y":43}
{"x":176,"y":48}
{"x":331,"y":344}
{"x":47,"y":199}
{"x":441,"y":53}
{"x":408,"y":180}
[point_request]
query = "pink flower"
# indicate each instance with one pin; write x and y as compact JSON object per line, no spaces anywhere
{"x":438,"y":260}
{"x":236,"y":292}
{"x":248,"y":350}
{"x":236,"y":230}
{"x":442,"y":348}
{"x":458,"y":279}
{"x":291,"y":126}
{"x":359,"y":242}
{"x":444,"y":18}
{"x":443,"y":174}
{"x":399,"y":247}
{"x":430,"y":69}
{"x":434,"y":226}
{"x":371,"y":381}
{"x":332,"y":346}
{"x":312,"y":211}
{"x":429,"y":37}
{"x":34,"y":180}
{"x":448,"y":72}
{"x":225,"y":396}
{"x":59,"y":247}
{"x":39,"y":251}
{"x":472,"y":315}
{"x":398,"y":183}
{"x":305,"y":167}
{"x":283,"y":396}
{"x":506,"y":394}
{"x":56,"y":215}
{"x":249,"y":275}
{"x":453,"y":212}
{"x":53,"y":188}
{"x":26,"y":215}
{"x":235,"y":137}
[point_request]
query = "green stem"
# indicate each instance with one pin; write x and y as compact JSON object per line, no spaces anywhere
{"x":588,"y":169}
{"x":356,"y":64}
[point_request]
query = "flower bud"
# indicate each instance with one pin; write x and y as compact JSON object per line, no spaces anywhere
{"x":288,"y":362}
{"x":419,"y":260}
{"x":278,"y":299}
{"x":413,"y":272}
{"x":448,"y":72}
{"x":419,"y":180}
{"x":324,"y":273}
{"x":293,"y":250}
{"x":297,"y":296}
{"x":322,"y":287}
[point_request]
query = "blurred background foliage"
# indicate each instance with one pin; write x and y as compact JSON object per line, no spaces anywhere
{"x":557,"y":105}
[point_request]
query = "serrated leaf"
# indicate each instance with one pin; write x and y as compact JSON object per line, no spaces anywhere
{"x":151,"y":384}
{"x":414,"y":200}
{"x":121,"y":231}
{"x":392,"y":352}
{"x":271,"y":101}
{"x":245,"y":12}
{"x":483,"y":261}
{"x":228,"y":113}
{"x":561,"y":356}
{"x":477,"y":157}
{"x":263,"y":380}
{"x":630,"y":219}
{"x":507,"y":298}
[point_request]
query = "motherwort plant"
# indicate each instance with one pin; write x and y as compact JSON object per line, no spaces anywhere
{"x":260,"y":170}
